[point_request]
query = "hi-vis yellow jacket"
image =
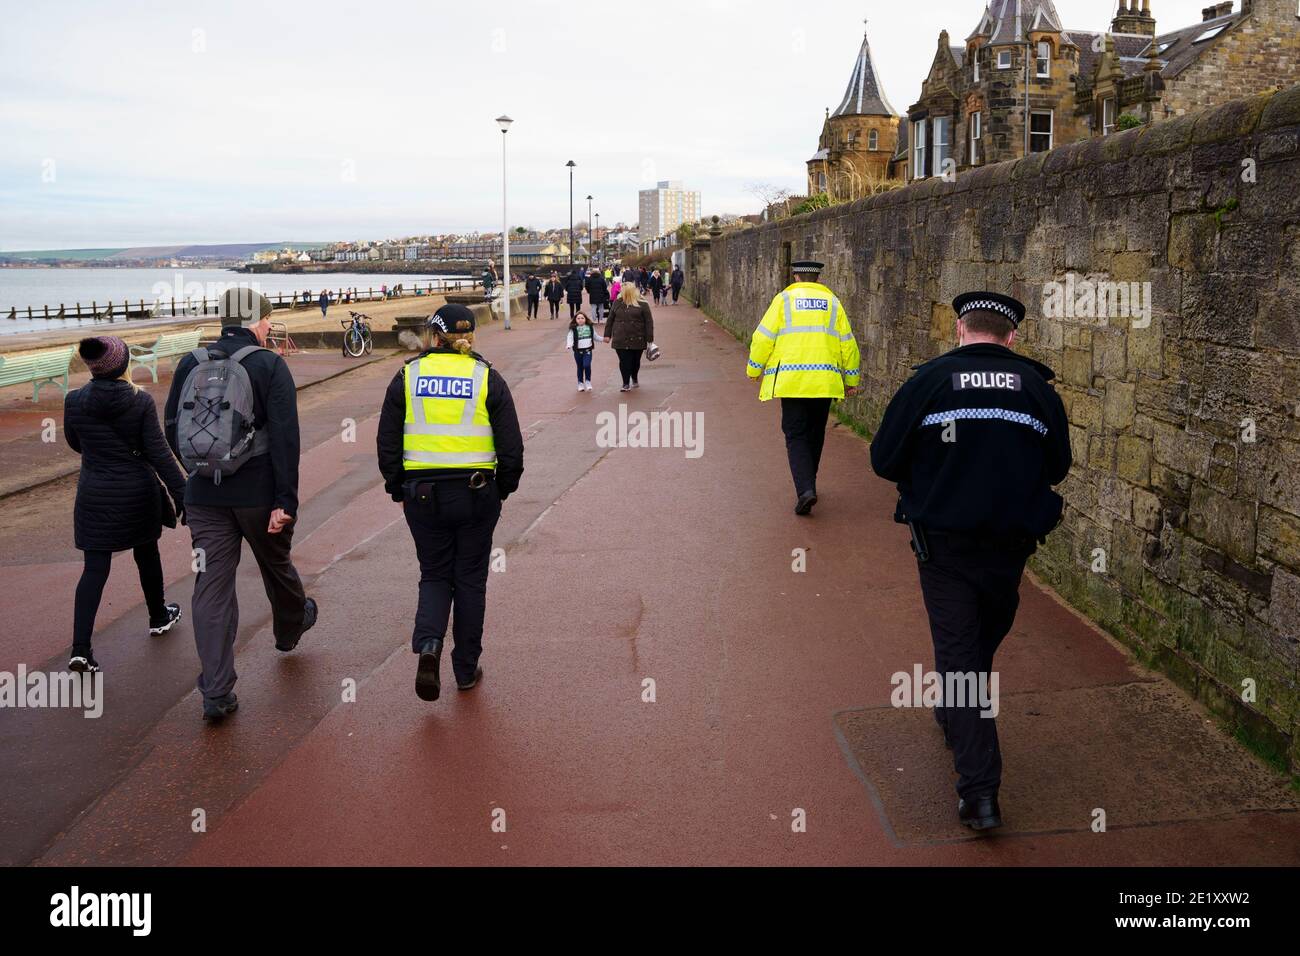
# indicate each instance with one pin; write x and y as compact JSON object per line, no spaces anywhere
{"x":447,"y":424}
{"x":804,"y":347}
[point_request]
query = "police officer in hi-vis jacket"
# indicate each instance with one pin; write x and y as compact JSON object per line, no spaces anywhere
{"x":805,"y":353}
{"x":450,"y":450}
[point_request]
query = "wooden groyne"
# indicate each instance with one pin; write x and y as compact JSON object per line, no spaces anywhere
{"x":184,"y":308}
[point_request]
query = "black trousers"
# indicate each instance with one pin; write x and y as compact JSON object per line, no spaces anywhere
{"x":803,"y":420}
{"x":555,"y":307}
{"x":90,"y":589}
{"x":452,"y":525}
{"x":971,"y":594}
{"x":574,"y":307}
{"x":629,"y":364}
{"x":677,"y":290}
{"x":534,"y":302}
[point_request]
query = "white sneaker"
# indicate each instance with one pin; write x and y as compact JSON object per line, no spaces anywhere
{"x":580,"y":388}
{"x":589,"y":386}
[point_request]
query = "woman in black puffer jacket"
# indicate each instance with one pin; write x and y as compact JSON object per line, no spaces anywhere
{"x":120,"y":503}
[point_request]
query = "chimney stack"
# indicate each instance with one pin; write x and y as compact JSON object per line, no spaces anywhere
{"x":1133,"y":20}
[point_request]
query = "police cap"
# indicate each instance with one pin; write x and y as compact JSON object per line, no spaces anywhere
{"x":807,"y":266}
{"x":1004,"y":305}
{"x":452,"y":318}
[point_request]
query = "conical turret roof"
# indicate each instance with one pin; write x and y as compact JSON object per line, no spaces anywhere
{"x":865,"y":95}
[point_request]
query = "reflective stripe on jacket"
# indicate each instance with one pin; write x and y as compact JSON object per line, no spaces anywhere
{"x":447,"y":424}
{"x":804,"y":347}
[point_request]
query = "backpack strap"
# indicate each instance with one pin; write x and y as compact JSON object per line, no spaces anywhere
{"x":246,"y":351}
{"x":201,"y":354}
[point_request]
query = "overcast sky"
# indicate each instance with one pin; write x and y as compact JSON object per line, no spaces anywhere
{"x":136,"y":123}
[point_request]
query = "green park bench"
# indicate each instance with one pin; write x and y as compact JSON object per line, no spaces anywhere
{"x":41,"y":368}
{"x":172,"y":345}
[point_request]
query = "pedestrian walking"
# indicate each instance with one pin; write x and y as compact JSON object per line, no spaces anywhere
{"x":582,"y":342}
{"x":676,"y":281}
{"x":533,"y":289}
{"x":232,"y":419}
{"x":804,"y":353}
{"x":597,"y":294}
{"x":630,"y":330}
{"x":451,"y":452}
{"x":324,"y":302}
{"x":554,"y":293}
{"x":975,"y":441}
{"x":129,"y":488}
{"x":573,"y":287}
{"x":657,"y":286}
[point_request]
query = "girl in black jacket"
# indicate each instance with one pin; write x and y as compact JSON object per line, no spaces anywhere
{"x":120,"y":503}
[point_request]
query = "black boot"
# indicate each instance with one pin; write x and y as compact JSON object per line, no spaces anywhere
{"x":980,"y":813}
{"x":428,"y":682}
{"x":472,"y":682}
{"x":804,"y":505}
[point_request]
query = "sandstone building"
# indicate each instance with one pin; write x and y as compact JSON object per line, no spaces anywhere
{"x":1022,"y":82}
{"x":858,"y":140}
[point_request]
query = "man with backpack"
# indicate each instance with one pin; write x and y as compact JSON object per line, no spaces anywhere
{"x":232,"y":419}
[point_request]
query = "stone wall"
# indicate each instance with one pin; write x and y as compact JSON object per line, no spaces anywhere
{"x":1182,"y":528}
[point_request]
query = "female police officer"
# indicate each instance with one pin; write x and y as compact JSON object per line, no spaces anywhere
{"x":450,"y":450}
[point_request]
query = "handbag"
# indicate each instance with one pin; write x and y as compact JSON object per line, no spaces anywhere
{"x":652,"y":352}
{"x":166,"y":507}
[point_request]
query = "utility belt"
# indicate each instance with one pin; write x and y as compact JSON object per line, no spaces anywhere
{"x":963,"y":543}
{"x":419,"y":488}
{"x":981,"y":542}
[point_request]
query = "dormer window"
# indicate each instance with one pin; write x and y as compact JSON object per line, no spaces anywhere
{"x":1004,"y":59}
{"x":1044,"y":59}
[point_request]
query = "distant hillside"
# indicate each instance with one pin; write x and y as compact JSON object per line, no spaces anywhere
{"x":235,"y":250}
{"x":61,"y":255}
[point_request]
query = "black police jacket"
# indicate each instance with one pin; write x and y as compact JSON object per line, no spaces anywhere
{"x":506,"y":436}
{"x":975,"y":440}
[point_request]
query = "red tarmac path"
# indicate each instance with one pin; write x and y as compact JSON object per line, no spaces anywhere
{"x":622,"y":565}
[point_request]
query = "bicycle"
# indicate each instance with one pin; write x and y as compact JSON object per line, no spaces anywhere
{"x":357,"y":338}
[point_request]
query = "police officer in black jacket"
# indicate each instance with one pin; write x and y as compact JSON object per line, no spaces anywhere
{"x":975,"y":440}
{"x":452,"y":463}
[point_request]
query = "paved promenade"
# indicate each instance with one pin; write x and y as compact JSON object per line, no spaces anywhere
{"x":770,"y":738}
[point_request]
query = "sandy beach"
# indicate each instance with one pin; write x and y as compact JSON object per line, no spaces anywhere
{"x":383,"y":316}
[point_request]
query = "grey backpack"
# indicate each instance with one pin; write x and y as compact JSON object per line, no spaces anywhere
{"x":214,"y":424}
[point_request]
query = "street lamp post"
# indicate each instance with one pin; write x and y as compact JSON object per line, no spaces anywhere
{"x":504,"y":122}
{"x":570,"y":164}
{"x":590,"y":247}
{"x":602,"y":258}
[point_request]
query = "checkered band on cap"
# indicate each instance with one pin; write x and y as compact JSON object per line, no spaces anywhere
{"x":987,"y":305}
